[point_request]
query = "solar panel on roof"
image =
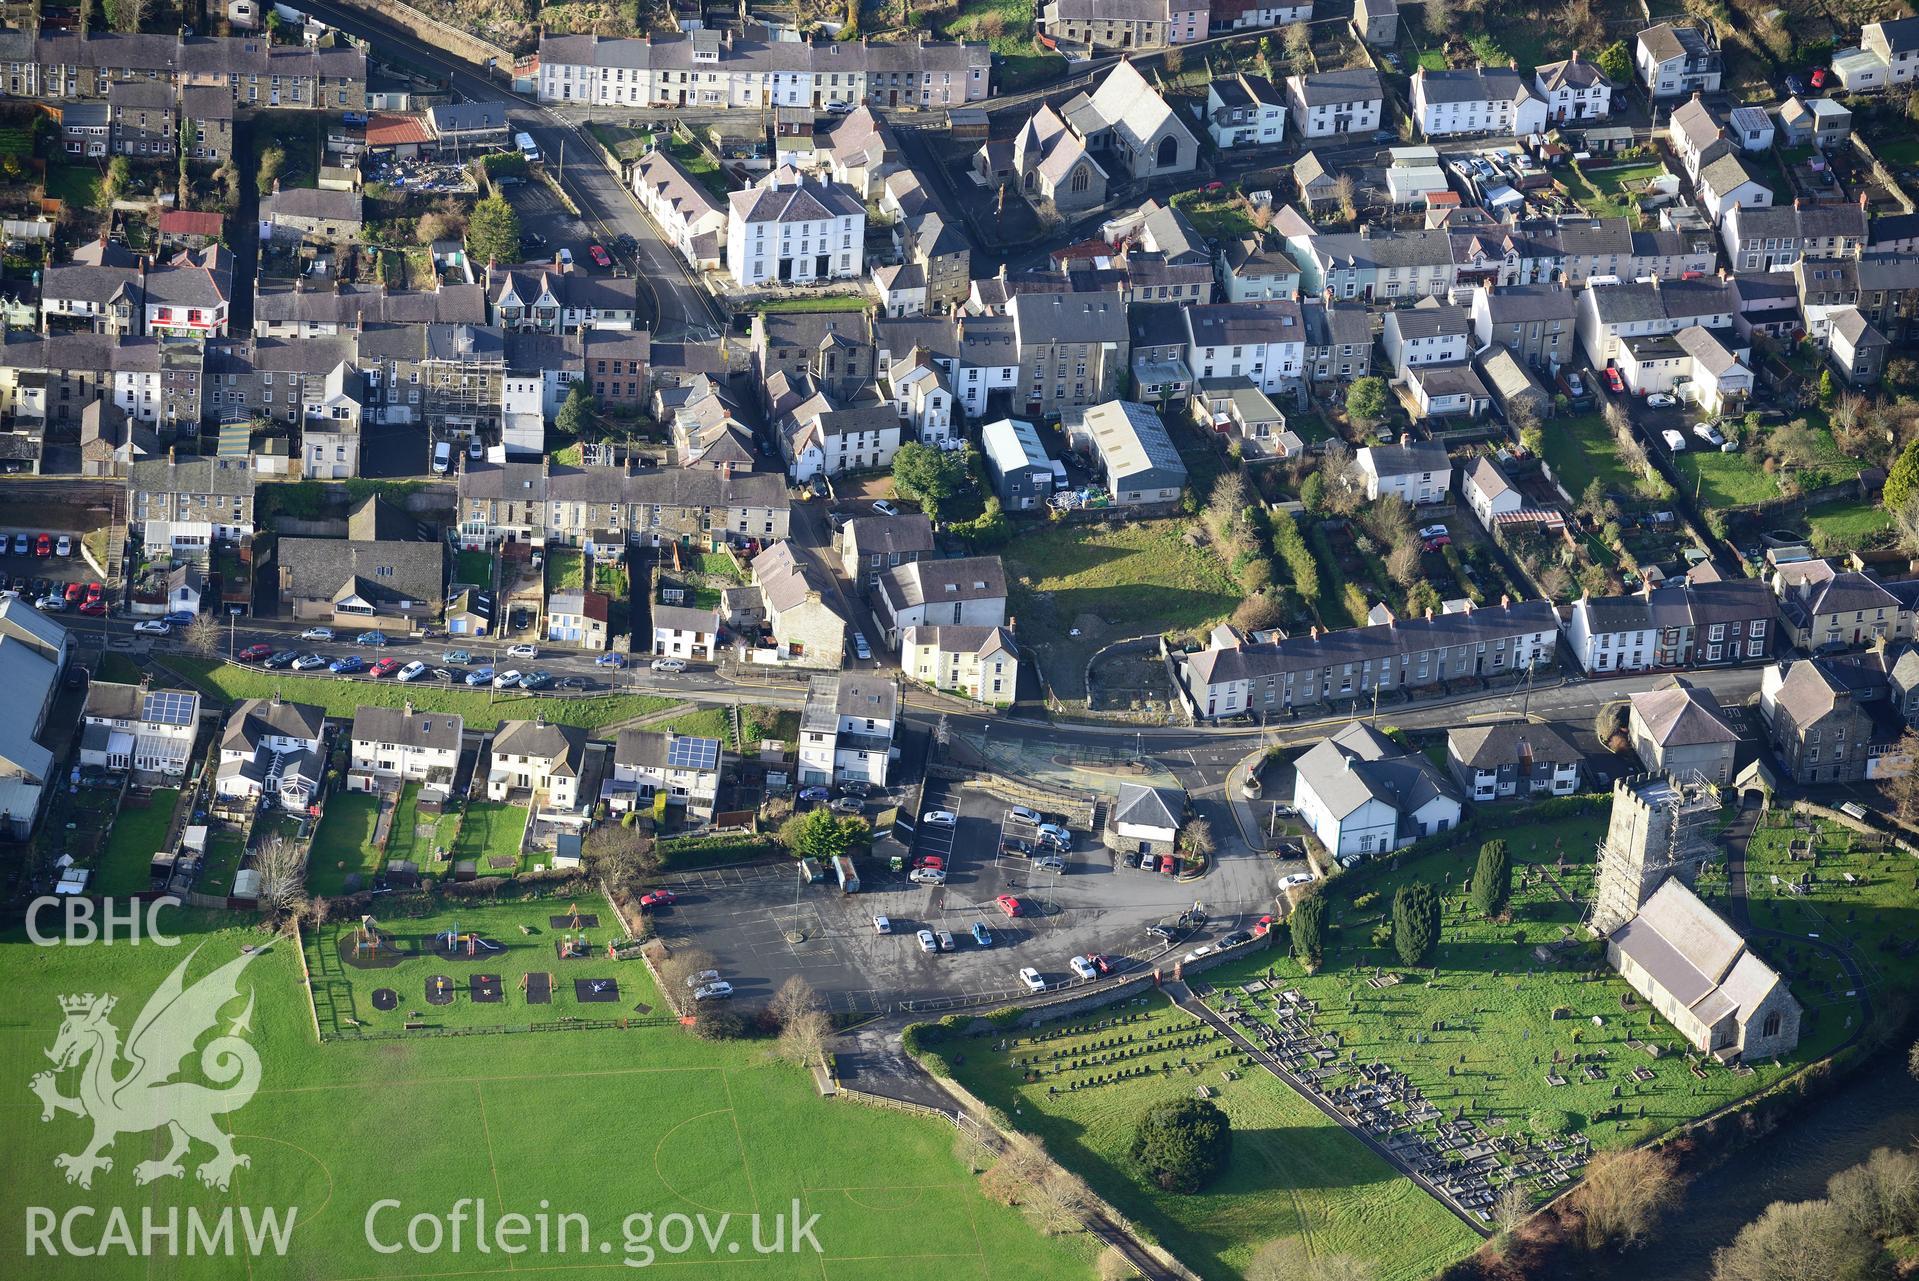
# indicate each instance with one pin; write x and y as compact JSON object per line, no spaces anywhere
{"x":167,"y":707}
{"x":693,"y":753}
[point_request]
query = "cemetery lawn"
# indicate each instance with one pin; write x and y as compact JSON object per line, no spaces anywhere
{"x":521,"y":1120}
{"x":1293,"y":1170}
{"x":1492,"y":1000}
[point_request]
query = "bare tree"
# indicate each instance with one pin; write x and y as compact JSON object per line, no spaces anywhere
{"x":1014,"y":1176}
{"x":1174,"y":60}
{"x":1299,"y":47}
{"x":795,"y":997}
{"x":202,"y":636}
{"x":803,"y":1037}
{"x":1905,"y":523}
{"x":1346,"y":192}
{"x":1880,"y":1195}
{"x":1439,"y":18}
{"x":676,"y":967}
{"x":282,"y":870}
{"x":1797,"y":1239}
{"x":1902,"y":787}
{"x":1196,"y":836}
{"x":1624,"y":1194}
{"x":971,"y":1149}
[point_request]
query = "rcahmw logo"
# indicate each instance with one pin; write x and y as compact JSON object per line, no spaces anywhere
{"x":132,"y":1088}
{"x":79,"y":926}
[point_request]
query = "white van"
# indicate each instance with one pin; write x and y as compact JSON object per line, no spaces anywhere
{"x":443,"y":458}
{"x":528,"y":148}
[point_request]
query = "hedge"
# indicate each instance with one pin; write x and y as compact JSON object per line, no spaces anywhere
{"x":705,"y":851}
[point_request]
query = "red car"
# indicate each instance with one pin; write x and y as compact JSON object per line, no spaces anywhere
{"x":1614,"y":383}
{"x":600,"y":257}
{"x":74,"y":593}
{"x":932,"y":861}
{"x":385,"y":667}
{"x":1169,"y":864}
{"x":658,"y":898}
{"x":1819,"y":77}
{"x":254,"y":653}
{"x":1263,"y":927}
{"x":96,"y":606}
{"x":43,"y":545}
{"x":1098,"y":962}
{"x":1009,"y":905}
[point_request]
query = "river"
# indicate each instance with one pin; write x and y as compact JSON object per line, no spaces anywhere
{"x":1877,"y":1107}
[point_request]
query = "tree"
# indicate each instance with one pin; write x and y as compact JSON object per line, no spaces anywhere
{"x":1174,"y":60}
{"x":1492,"y":879}
{"x":577,"y":411}
{"x":266,"y":176}
{"x":1625,"y":1192}
{"x":1307,"y":926}
{"x":1366,"y":400}
{"x":619,"y":855}
{"x":202,"y":636}
{"x":493,"y":232}
{"x":119,"y":177}
{"x":1312,"y":492}
{"x":1402,"y":563}
{"x":1258,"y":612}
{"x":1183,"y":1144}
{"x":1196,"y":837}
{"x":1439,"y":18}
{"x":1902,"y":788}
{"x":1299,"y":47}
{"x":1616,"y":61}
{"x":1826,"y":389}
{"x":1795,"y":1240}
{"x":282,"y":870}
{"x":822,"y":834}
{"x":1610,"y":723}
{"x":803,"y":1037}
{"x":1415,"y":922}
{"x":1346,"y":192}
{"x":1225,"y":513}
{"x":1902,"y":481}
{"x":440,"y":224}
{"x":1880,"y":1195}
{"x":927,"y":475}
{"x":713,"y":1021}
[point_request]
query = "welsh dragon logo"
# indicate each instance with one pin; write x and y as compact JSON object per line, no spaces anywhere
{"x":131,"y":1089}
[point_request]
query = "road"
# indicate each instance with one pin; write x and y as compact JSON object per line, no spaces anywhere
{"x":674,"y":304}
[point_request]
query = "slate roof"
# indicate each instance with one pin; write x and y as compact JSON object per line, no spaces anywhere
{"x":939,"y":581}
{"x":433,"y":730}
{"x":1358,"y":764}
{"x":1680,"y":714}
{"x":255,"y":720}
{"x":1490,"y":746}
{"x":564,"y":745}
{"x":1144,"y":806}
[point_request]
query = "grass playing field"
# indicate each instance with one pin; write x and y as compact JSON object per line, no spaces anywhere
{"x":1293,"y":1171}
{"x":603,"y":1124}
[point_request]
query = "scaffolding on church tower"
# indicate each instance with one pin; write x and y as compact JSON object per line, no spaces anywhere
{"x":1660,"y":827}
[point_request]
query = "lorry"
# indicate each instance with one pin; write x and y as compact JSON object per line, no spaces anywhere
{"x":849,"y":879}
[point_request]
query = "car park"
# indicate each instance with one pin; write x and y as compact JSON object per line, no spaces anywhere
{"x":667,"y":664}
{"x":459,"y":656}
{"x":317,"y":633}
{"x":256,"y":653}
{"x":413,"y":671}
{"x":347,"y":663}
{"x":939,"y":818}
{"x":508,"y":679}
{"x":479,"y":676}
{"x":385,"y":667}
{"x":375,"y":639}
{"x":982,"y":935}
{"x":1083,"y":968}
{"x":522,"y":651}
{"x":713,"y":992}
{"x":882,"y":925}
{"x":307,"y":662}
{"x":1030,"y":977}
{"x":1010,"y":905}
{"x":152,"y":627}
{"x":927,"y":942}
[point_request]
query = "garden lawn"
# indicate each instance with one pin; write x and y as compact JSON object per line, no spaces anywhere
{"x":231,"y":683}
{"x":1294,"y":1172}
{"x":1493,"y":1000}
{"x":532,"y":1122}
{"x":1142,"y":576}
{"x":702,"y":722}
{"x":225,"y":850}
{"x":475,"y":568}
{"x":1718,"y":479}
{"x":702,"y":166}
{"x":137,"y":835}
{"x":564,"y":569}
{"x":1007,"y":26}
{"x":117,"y":667}
{"x":828,"y":302}
{"x":490,"y":830}
{"x":1848,"y":526}
{"x":418,"y":835}
{"x":1218,"y":215}
{"x":1580,"y":450}
{"x":77,"y":185}
{"x":1604,"y":193}
{"x":343,"y":844}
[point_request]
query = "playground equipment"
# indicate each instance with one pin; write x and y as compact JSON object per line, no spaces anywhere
{"x":454,"y":942}
{"x":366,"y":941}
{"x":573,"y":917}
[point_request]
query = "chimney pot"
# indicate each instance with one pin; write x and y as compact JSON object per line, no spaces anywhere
{"x":409,"y":707}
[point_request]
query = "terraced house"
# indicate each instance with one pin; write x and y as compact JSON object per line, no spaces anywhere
{"x":712,"y":68}
{"x":1413,"y":653}
{"x":585,"y":506}
{"x":1125,"y":24}
{"x":66,"y":66}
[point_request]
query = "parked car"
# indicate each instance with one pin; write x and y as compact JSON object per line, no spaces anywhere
{"x":1796,"y":86}
{"x":181,"y":617}
{"x":713,"y":992}
{"x":1030,"y":977}
{"x":347,"y":663}
{"x":1296,"y":879}
{"x":1674,"y":441}
{"x":256,"y":653}
{"x":1614,"y":383}
{"x":480,"y":676}
{"x":933,"y":861}
{"x":373,"y":638}
{"x":1236,"y":938}
{"x":307,"y":662}
{"x":599,"y":255}
{"x":43,"y":545}
{"x":1263,"y":926}
{"x":19,"y":544}
{"x":1083,"y":968}
{"x":668,"y":664}
{"x":1661,"y":400}
{"x":317,"y":633}
{"x":522,"y":651}
{"x":508,"y":679}
{"x":609,"y":660}
{"x":815,"y":793}
{"x":860,"y":648}
{"x":946,"y":941}
{"x":536,"y":680}
{"x":64,"y":546}
{"x":1055,"y":832}
{"x":1434,"y":531}
{"x":939,"y":818}
{"x":982,"y":935}
{"x":1169,"y":864}
{"x":1160,"y":932}
{"x":702,"y":978}
{"x":853,"y":787}
{"x":926,"y":876}
{"x":927,"y":942}
{"x":443,"y":674}
{"x":882,"y":925}
{"x":1010,"y":905}
{"x":385,"y":667}
{"x":1130,"y":858}
{"x":847,"y":805}
{"x":1708,"y":433}
{"x":152,"y":627}
{"x":413,"y":671}
{"x":459,"y":656}
{"x":93,"y":607}
{"x":73,"y":593}
{"x":884,"y":508}
{"x":1049,"y":863}
{"x":1025,"y":815}
{"x":280,"y":661}
{"x":1016,"y":846}
{"x":658,"y":898}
